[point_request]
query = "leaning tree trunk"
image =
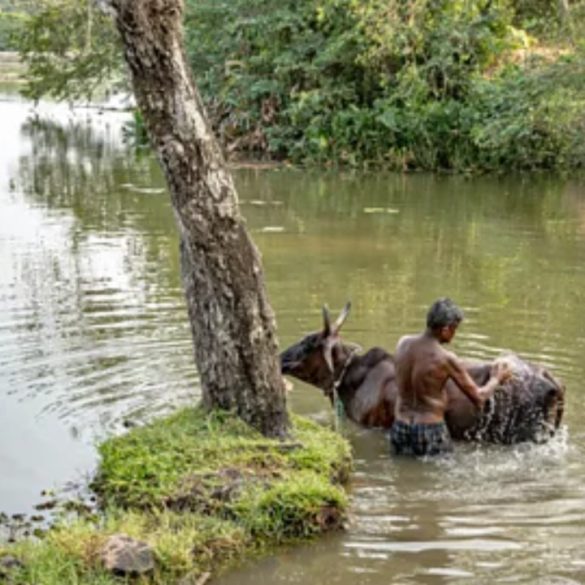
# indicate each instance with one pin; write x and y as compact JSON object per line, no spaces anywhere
{"x":231,"y":319}
{"x":564,"y":11}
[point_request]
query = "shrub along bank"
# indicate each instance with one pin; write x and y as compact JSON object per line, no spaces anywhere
{"x":455,"y":85}
{"x":201,"y":490}
{"x":428,"y":84}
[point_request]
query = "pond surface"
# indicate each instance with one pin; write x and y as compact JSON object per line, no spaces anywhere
{"x":93,"y":333}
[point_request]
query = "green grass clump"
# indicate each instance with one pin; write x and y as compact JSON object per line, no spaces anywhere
{"x":299,"y":506}
{"x":152,"y":465}
{"x":63,"y":556}
{"x":202,"y":489}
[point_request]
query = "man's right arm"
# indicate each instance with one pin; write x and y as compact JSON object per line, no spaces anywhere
{"x":478,"y":395}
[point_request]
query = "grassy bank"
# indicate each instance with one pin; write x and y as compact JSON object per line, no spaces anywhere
{"x":202,"y":490}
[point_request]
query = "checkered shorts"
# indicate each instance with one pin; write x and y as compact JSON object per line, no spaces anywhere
{"x":420,"y":439}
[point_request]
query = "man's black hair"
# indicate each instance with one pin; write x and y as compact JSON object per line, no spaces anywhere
{"x":443,"y":312}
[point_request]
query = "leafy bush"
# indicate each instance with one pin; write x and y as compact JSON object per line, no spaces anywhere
{"x":70,"y":49}
{"x":425,"y":84}
{"x":404,"y":85}
{"x":532,"y":118}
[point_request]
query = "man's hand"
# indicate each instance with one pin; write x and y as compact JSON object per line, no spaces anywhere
{"x":502,"y":371}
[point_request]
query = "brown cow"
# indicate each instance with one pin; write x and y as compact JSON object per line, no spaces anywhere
{"x":528,"y":407}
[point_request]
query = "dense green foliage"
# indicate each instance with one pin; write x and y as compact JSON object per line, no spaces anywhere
{"x":13,"y":15}
{"x":404,"y":85}
{"x":201,"y":490}
{"x":70,"y":48}
{"x":464,"y":85}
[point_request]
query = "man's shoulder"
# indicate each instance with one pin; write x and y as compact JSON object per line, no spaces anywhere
{"x":405,"y":341}
{"x":408,"y":344}
{"x":449,"y":357}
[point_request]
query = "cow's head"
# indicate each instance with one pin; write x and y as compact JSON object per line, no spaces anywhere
{"x":315,"y":358}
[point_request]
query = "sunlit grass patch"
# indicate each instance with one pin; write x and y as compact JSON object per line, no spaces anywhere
{"x":151,"y":466}
{"x":299,"y":506}
{"x":53,"y":560}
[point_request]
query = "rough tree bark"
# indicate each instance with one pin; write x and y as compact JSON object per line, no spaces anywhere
{"x":231,"y":320}
{"x":564,"y":11}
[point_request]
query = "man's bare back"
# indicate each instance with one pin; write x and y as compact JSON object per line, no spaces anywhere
{"x":423,"y":367}
{"x":421,"y":372}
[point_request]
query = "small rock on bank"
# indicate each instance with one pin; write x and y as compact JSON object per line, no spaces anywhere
{"x":123,"y":555}
{"x":8,"y":564}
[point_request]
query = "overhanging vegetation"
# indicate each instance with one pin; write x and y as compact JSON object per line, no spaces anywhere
{"x":443,"y":85}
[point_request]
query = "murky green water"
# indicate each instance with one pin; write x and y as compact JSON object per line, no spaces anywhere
{"x":93,"y":332}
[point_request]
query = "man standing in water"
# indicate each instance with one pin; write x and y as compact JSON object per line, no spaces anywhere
{"x":423,"y":366}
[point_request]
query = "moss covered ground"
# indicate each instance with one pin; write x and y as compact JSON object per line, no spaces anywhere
{"x":202,"y":490}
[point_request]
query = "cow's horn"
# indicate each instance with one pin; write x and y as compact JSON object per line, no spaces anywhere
{"x":326,"y":320}
{"x":342,"y":317}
